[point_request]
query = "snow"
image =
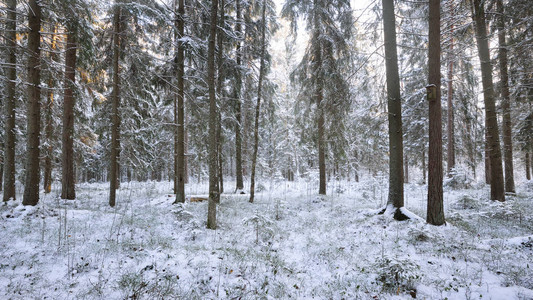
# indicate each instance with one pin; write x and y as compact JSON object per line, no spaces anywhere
{"x":290,"y":243}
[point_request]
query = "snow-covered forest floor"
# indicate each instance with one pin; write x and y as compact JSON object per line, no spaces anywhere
{"x":289,"y":244}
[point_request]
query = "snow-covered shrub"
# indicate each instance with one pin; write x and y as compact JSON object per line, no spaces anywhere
{"x":263,"y":230}
{"x":467,"y":202}
{"x":459,"y":180}
{"x":397,"y":274}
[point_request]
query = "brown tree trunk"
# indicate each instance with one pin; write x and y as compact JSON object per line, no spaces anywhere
{"x":220,"y":57}
{"x":10,"y":100}
{"x":179,"y":179}
{"x":450,"y":113}
{"x":424,"y":171}
{"x":497,"y":190}
{"x":319,"y":95}
{"x":435,"y":206}
{"x":68,"y":190}
{"x":237,"y":99}
{"x":213,"y":190}
{"x":47,"y":181}
{"x":487,"y":155}
{"x":394,"y":109}
{"x":258,"y":105}
{"x":115,"y":117}
{"x":506,"y":102}
{"x":31,"y":185}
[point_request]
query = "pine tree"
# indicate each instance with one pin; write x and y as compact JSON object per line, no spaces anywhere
{"x":10,"y":101}
{"x":497,"y":191}
{"x":435,"y":207}
{"x":213,"y":190}
{"x":31,"y":184}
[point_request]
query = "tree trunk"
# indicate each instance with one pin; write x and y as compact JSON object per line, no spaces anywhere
{"x":394,"y":108}
{"x":115,"y":118}
{"x":31,"y":185}
{"x":47,"y":181}
{"x":528,"y":163}
{"x":435,"y":206}
{"x":506,"y":102}
{"x":179,"y":178}
{"x":220,"y":79}
{"x":10,"y":100}
{"x":450,"y":113}
{"x":258,"y":105}
{"x":487,"y":155}
{"x":497,"y":191}
{"x":213,"y":190}
{"x":237,"y":99}
{"x":424,"y":171}
{"x":68,"y":190}
{"x":406,"y":170}
{"x":319,"y":95}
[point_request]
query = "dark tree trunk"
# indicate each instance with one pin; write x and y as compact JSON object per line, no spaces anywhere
{"x":450,"y":113}
{"x":394,"y":107}
{"x":506,"y":102}
{"x":237,"y":99}
{"x":10,"y":100}
{"x":115,"y":117}
{"x":424,"y":171}
{"x":31,"y":185}
{"x":220,"y":79}
{"x":179,"y":178}
{"x":49,"y":131}
{"x":319,"y":95}
{"x":258,"y":105}
{"x":435,"y":206}
{"x":68,"y":190}
{"x":487,"y":155}
{"x":497,"y":190}
{"x":213,"y":190}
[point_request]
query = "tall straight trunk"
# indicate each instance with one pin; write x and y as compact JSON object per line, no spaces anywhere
{"x":497,"y":190}
{"x":406,"y":169}
{"x":10,"y":100}
{"x":487,"y":155}
{"x":31,"y":185}
{"x":319,"y":95}
{"x":258,"y":104}
{"x":528,"y":163}
{"x":237,"y":99}
{"x":49,"y":131}
{"x":394,"y":107}
{"x":68,"y":190}
{"x":435,"y":206}
{"x":220,"y":61}
{"x":213,"y":190}
{"x":115,"y":118}
{"x":450,"y":113}
{"x":424,"y":171}
{"x":179,"y":179}
{"x":506,"y":102}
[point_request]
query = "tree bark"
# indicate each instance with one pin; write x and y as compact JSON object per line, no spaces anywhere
{"x":406,"y":169}
{"x":237,"y":99}
{"x":115,"y":118}
{"x":506,"y":102}
{"x":220,"y":79}
{"x":394,"y":107}
{"x":528,"y":163}
{"x":497,"y":190}
{"x":424,"y":171}
{"x":10,"y":101}
{"x":258,"y":104}
{"x":49,"y":131}
{"x":319,"y":95}
{"x":68,"y":190}
{"x":213,"y":190}
{"x":450,"y":113}
{"x":435,"y":206}
{"x":179,"y":180}
{"x":31,"y":185}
